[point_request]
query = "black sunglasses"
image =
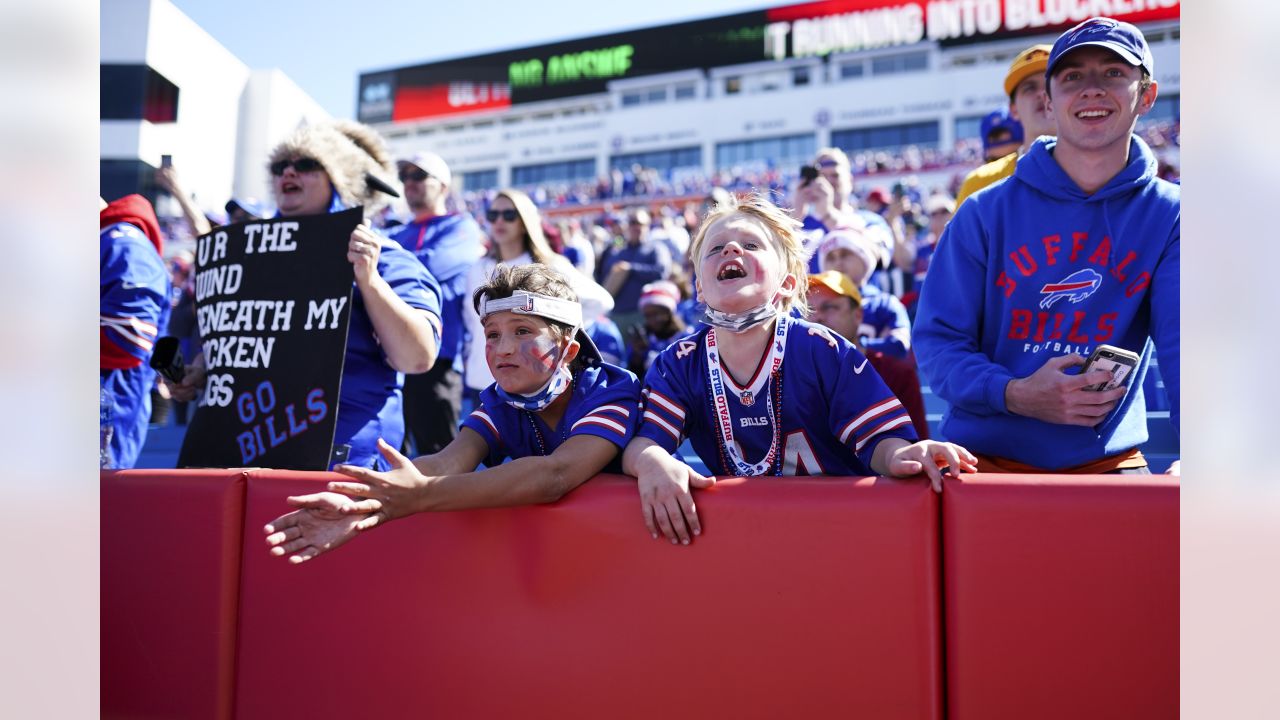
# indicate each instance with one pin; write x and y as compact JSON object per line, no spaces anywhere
{"x":508,"y":215}
{"x":415,"y":174}
{"x":302,"y":165}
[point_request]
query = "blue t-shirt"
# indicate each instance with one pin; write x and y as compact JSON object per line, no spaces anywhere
{"x":605,"y":402}
{"x":133,"y":312}
{"x":608,"y":339}
{"x":835,"y":408}
{"x":448,"y":245}
{"x":649,"y":261}
{"x":369,"y":404}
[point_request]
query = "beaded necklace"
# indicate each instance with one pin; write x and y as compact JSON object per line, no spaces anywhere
{"x":538,"y":437}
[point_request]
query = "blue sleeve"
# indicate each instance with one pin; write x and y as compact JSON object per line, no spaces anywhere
{"x":486,"y":421}
{"x":614,"y":409}
{"x":1165,"y":321}
{"x":657,"y":269}
{"x":410,"y":281}
{"x":135,"y":292}
{"x":892,"y":323}
{"x":949,"y":320}
{"x":666,"y":402}
{"x":862,"y":410}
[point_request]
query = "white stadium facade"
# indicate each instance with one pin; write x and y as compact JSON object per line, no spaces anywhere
{"x":737,"y":92}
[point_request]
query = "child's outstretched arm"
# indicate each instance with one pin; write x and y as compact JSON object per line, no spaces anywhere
{"x":327,"y":520}
{"x":896,"y":457}
{"x":529,"y":480}
{"x":664,"y":483}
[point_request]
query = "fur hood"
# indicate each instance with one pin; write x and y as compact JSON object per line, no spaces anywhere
{"x":347,"y":150}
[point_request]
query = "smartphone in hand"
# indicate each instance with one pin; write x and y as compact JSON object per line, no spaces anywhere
{"x":1119,"y":361}
{"x":808,"y":173}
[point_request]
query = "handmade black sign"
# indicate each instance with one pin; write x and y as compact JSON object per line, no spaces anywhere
{"x":273,"y":302}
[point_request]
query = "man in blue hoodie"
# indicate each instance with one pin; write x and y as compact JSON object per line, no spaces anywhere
{"x":1080,"y":247}
{"x":447,"y":244}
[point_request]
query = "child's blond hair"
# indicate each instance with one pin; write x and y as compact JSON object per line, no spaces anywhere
{"x":785,"y":233}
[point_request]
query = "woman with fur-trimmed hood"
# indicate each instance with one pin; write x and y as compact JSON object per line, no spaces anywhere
{"x":395,"y":315}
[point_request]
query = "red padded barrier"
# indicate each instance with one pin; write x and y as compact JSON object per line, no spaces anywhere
{"x":1061,"y":597}
{"x":170,"y":568}
{"x":803,"y":598}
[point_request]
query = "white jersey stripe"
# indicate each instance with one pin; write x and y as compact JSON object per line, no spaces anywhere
{"x":657,"y":420}
{"x":896,"y":423}
{"x":667,"y":404}
{"x":605,"y":422}
{"x":880,"y":408}
{"x":487,"y":421}
{"x":625,"y":413}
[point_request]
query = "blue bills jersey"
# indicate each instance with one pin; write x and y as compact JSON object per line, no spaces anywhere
{"x":605,"y":402}
{"x":133,"y":312}
{"x":370,"y":402}
{"x":835,"y":409}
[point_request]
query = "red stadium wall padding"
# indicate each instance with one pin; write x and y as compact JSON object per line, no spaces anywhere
{"x":170,"y":568}
{"x":1061,"y":597}
{"x":802,"y":598}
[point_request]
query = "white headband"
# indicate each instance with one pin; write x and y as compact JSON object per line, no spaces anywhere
{"x":527,"y":303}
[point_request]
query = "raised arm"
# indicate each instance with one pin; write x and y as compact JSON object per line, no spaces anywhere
{"x":409,"y":336}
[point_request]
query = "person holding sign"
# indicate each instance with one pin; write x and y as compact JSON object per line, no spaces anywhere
{"x":762,"y":393}
{"x":556,"y":409}
{"x":395,"y":309}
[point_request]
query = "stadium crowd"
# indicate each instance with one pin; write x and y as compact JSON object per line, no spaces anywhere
{"x":528,"y":323}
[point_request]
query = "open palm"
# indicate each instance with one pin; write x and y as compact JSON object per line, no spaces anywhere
{"x":317,"y":526}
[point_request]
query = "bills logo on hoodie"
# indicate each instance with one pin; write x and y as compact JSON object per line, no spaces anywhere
{"x":1075,"y":287}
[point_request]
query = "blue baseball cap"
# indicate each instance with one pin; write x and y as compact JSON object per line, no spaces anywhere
{"x":1120,"y":38}
{"x":1000,"y":120}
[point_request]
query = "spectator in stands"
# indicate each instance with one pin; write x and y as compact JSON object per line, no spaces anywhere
{"x":662,"y":325}
{"x":886,"y":326}
{"x":1029,"y":105}
{"x":1001,"y":135}
{"x":835,"y":303}
{"x":940,"y":209}
{"x":515,"y":229}
{"x":830,"y":204}
{"x":395,"y":314}
{"x":759,"y":384}
{"x":447,"y":244}
{"x":244,"y":209}
{"x":133,"y":311}
{"x":556,"y":411}
{"x":1080,"y":247}
{"x":626,"y":270}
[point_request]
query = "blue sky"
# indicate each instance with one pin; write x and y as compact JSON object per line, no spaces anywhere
{"x":323,"y":45}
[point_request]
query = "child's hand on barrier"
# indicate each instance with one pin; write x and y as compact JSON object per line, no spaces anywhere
{"x":665,"y":500}
{"x":932,"y":458}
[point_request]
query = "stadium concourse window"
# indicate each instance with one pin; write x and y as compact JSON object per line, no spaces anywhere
{"x":566,"y":171}
{"x":117,"y":178}
{"x":887,"y":137}
{"x":767,"y":152}
{"x":687,"y":91}
{"x":136,"y":92}
{"x":852,"y":70}
{"x":900,"y":63}
{"x":800,"y":76}
{"x":477,"y":180}
{"x":732,"y":85}
{"x":1166,"y":110}
{"x":661,"y":160}
{"x":969,"y":127}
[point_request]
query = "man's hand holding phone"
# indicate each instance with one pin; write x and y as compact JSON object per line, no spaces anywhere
{"x":1052,"y":395}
